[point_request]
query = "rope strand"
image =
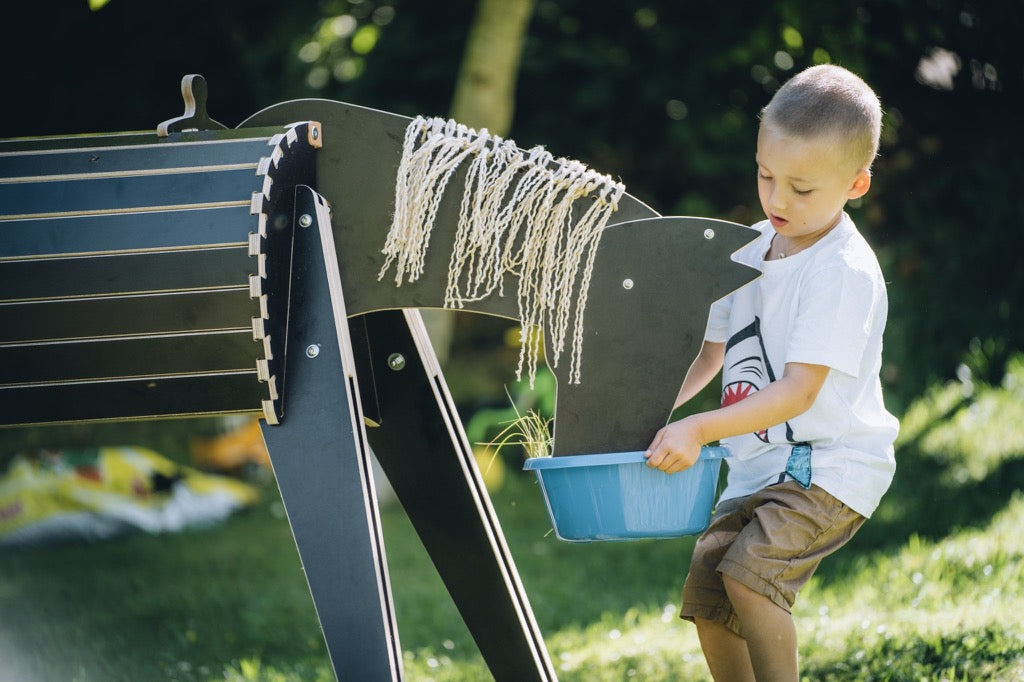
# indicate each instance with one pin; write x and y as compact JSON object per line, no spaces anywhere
{"x":515,"y":217}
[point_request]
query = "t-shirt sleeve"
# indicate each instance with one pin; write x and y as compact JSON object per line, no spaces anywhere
{"x":717,"y":330}
{"x":837,"y":310}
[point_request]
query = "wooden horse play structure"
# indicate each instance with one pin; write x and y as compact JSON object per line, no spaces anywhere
{"x":203,"y":270}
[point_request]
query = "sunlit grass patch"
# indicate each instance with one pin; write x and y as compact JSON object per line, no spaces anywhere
{"x":978,"y":437}
{"x":969,"y":428}
{"x":933,"y":610}
{"x":643,"y":644}
{"x":253,"y":670}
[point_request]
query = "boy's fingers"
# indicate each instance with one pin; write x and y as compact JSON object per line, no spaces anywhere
{"x":677,"y":466}
{"x":655,"y":445}
{"x":661,"y":458}
{"x":669,"y":463}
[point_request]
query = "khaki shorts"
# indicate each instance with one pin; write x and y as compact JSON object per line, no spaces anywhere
{"x":771,"y":541}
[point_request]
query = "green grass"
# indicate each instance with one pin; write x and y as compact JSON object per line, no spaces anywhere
{"x":932,"y":589}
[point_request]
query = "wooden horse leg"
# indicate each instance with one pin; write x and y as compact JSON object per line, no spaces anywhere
{"x":321,"y":462}
{"x":423,"y":450}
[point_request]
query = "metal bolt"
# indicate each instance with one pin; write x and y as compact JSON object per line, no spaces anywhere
{"x":627,"y":283}
{"x":312,"y":350}
{"x":305,"y":220}
{"x":709,"y":233}
{"x":396,"y":361}
{"x":316,"y":133}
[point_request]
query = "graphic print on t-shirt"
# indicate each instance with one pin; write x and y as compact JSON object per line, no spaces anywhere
{"x":748,"y":370}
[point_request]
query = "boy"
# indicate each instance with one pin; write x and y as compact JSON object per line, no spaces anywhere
{"x":800,"y":349}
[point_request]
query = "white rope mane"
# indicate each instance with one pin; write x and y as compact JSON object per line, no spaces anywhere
{"x":511,"y":197}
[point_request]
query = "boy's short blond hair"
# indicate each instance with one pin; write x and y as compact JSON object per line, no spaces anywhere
{"x":829,"y":100}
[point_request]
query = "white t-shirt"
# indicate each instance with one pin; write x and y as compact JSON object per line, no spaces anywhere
{"x":825,"y":305}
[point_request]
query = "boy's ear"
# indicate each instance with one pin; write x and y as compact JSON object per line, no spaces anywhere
{"x":861,"y":185}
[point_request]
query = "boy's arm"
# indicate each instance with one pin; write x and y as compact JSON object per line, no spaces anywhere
{"x":677,"y":446}
{"x":704,"y":368}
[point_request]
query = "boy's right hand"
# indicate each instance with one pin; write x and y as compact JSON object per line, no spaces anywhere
{"x":675,"y":447}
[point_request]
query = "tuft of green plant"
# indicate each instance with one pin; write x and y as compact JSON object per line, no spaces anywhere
{"x":529,"y":430}
{"x":490,"y":425}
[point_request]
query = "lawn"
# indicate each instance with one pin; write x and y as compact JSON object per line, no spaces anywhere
{"x":932,"y":589}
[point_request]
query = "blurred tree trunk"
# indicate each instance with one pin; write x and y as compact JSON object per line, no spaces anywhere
{"x":485,"y":98}
{"x":485,"y":91}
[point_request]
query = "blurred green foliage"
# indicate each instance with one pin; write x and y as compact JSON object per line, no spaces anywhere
{"x":663,"y":94}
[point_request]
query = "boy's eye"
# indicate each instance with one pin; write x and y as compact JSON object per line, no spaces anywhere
{"x":802,"y":192}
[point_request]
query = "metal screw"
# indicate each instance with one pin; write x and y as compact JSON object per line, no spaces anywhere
{"x":316,"y":133}
{"x":396,"y":361}
{"x":312,"y":350}
{"x":305,"y":220}
{"x":627,"y":283}
{"x":709,"y":233}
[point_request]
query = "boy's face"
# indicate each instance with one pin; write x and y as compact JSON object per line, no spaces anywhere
{"x":804,"y":182}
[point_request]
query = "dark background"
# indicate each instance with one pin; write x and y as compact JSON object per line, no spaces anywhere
{"x":662,"y":94}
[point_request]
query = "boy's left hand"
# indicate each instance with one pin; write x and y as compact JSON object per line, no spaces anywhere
{"x":675,"y":447}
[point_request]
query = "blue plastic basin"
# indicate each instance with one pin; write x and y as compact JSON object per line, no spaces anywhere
{"x":616,"y":496}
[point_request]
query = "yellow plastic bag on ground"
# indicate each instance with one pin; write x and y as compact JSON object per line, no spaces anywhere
{"x":101,"y":492}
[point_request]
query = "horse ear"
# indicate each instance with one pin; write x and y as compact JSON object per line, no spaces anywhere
{"x":194,"y":92}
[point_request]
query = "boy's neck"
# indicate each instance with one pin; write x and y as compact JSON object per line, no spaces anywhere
{"x":781,"y":247}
